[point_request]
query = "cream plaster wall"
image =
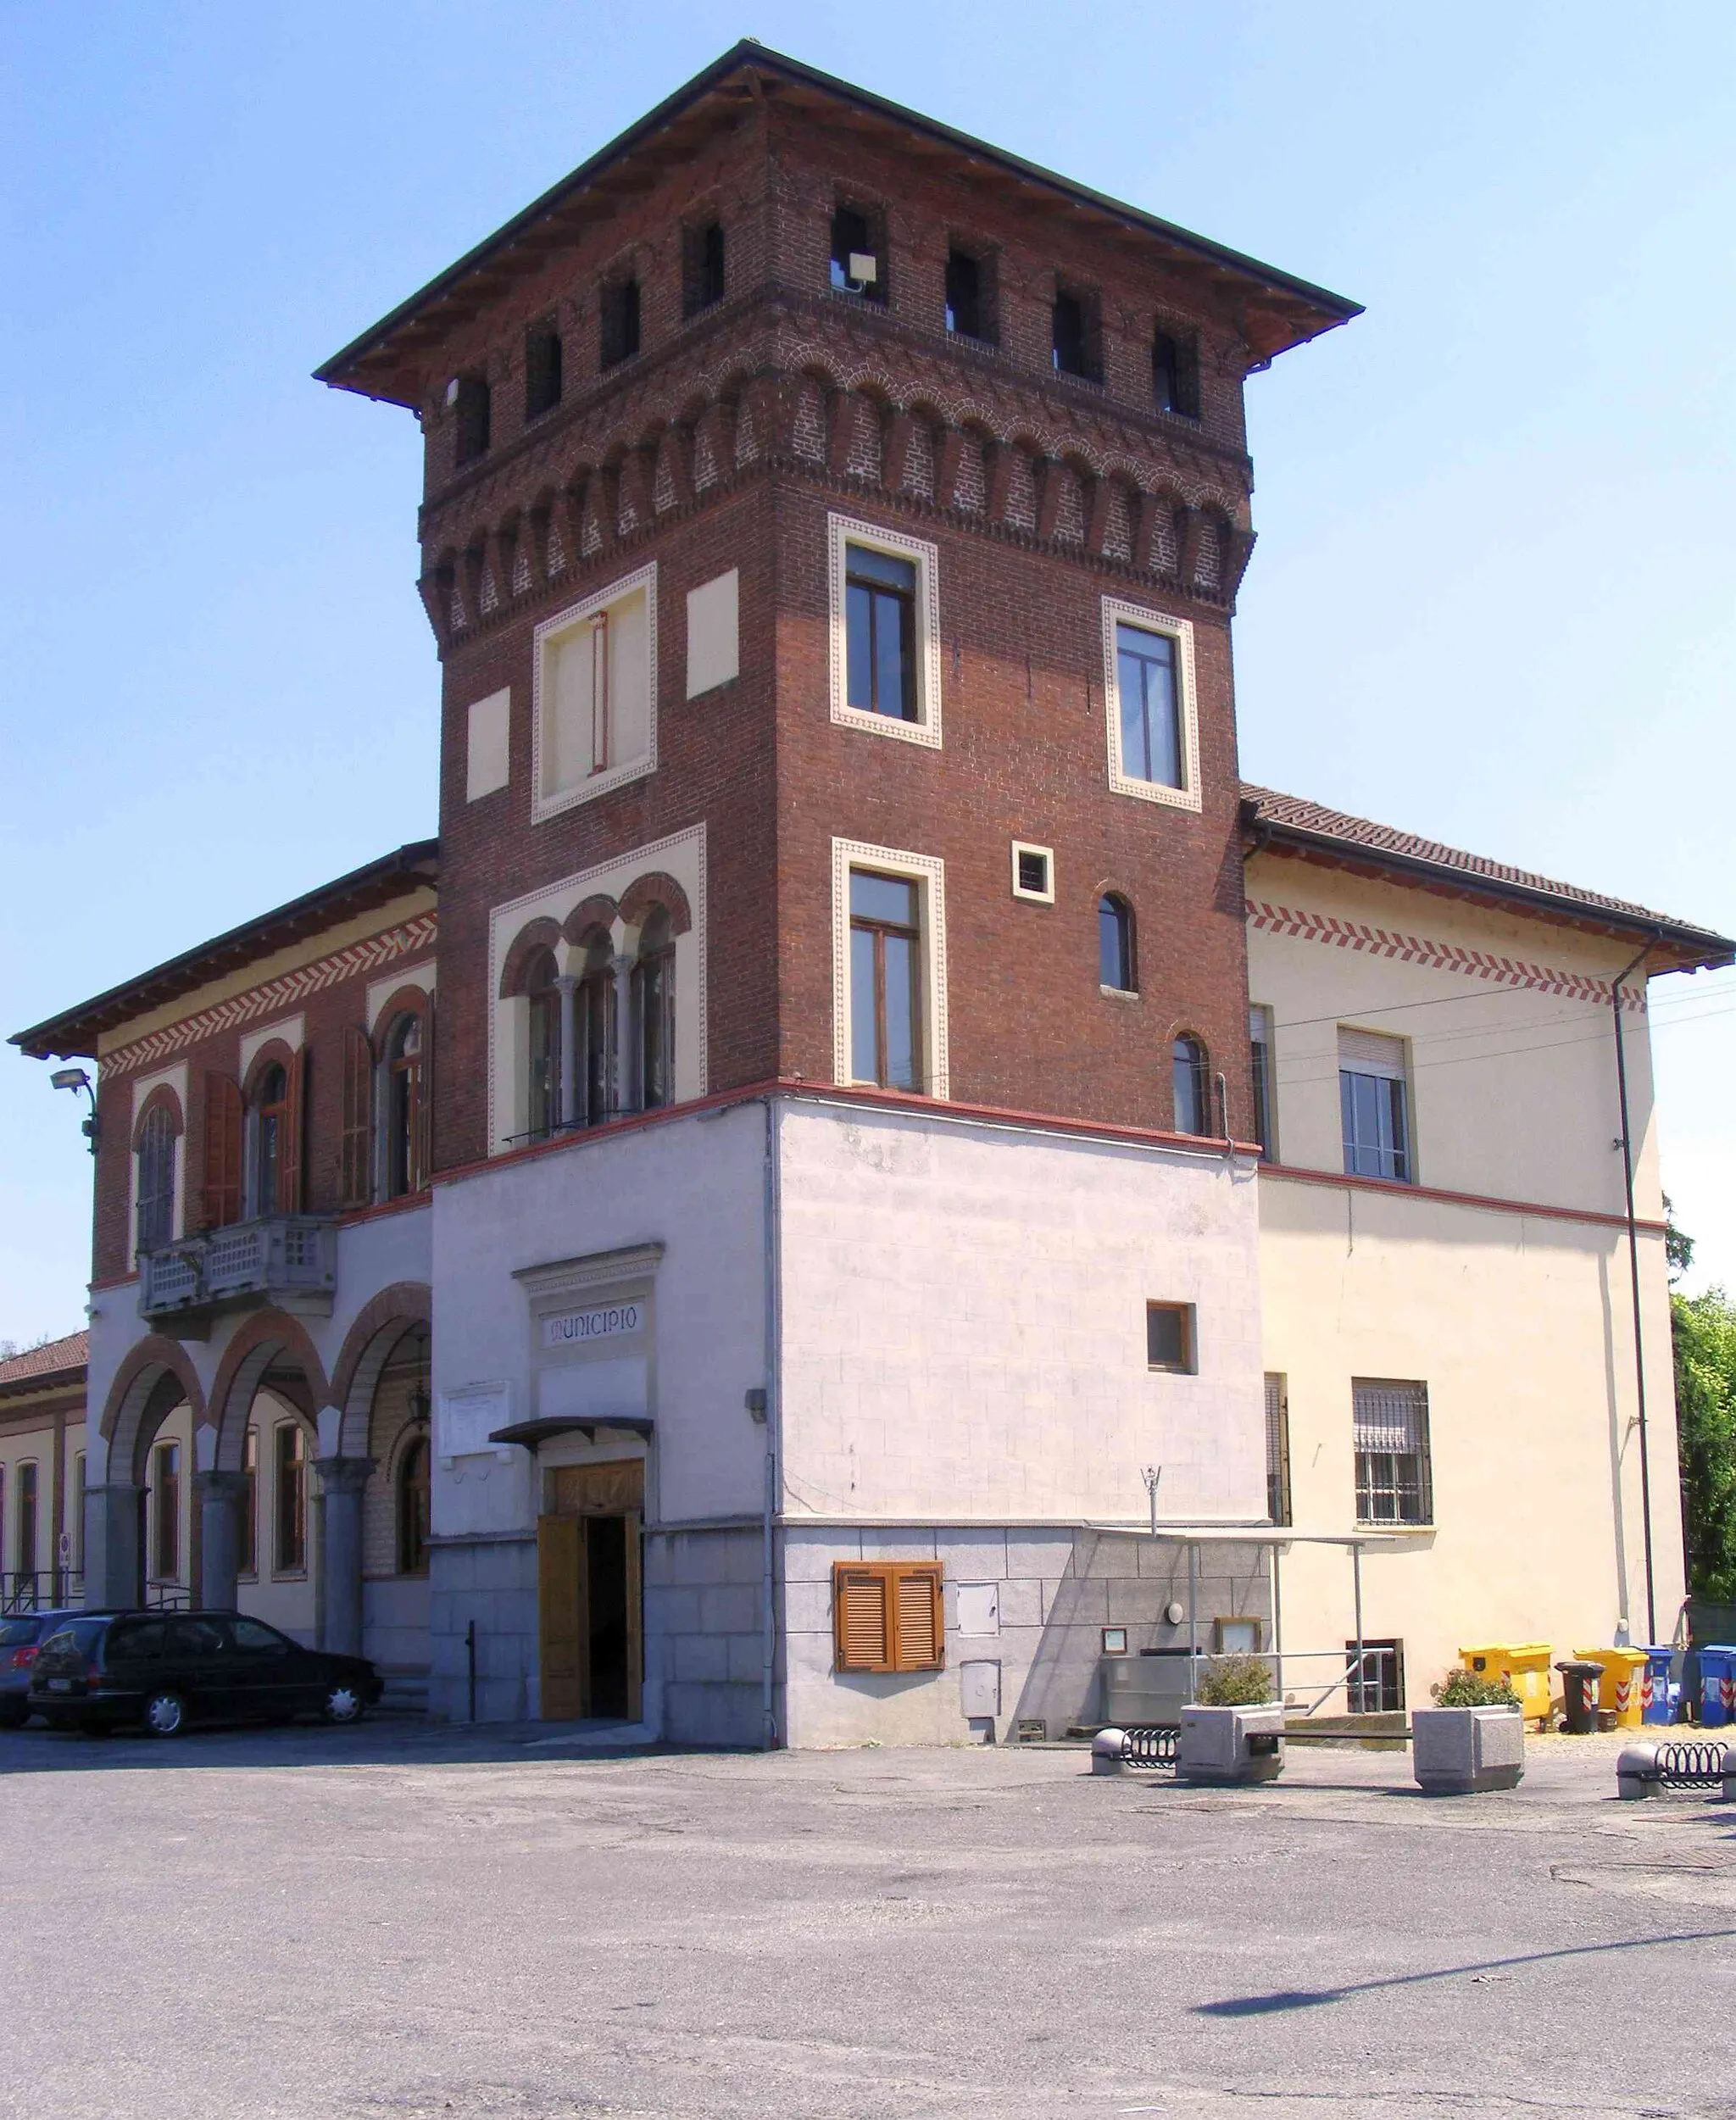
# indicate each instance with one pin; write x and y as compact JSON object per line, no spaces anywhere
{"x":32,"y":1442}
{"x":1512,"y":1089}
{"x":964,"y":1324}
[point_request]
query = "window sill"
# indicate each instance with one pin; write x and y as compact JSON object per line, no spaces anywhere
{"x":1119,"y":993}
{"x":287,"y":1575}
{"x":1393,"y":1530}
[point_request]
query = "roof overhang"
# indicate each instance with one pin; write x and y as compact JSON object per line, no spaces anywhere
{"x":531,"y":1434}
{"x":1276,"y":310}
{"x":74,"y":1033}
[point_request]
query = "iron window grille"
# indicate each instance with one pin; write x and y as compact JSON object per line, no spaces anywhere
{"x":1378,"y":1688}
{"x":1277,"y":1449}
{"x":1394,"y":1484}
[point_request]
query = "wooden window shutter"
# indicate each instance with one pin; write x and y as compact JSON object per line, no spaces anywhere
{"x":422,"y":1114}
{"x":221,"y":1196}
{"x":919,"y":1619}
{"x":353,"y":1156}
{"x":289,"y":1167}
{"x":861,"y":1616}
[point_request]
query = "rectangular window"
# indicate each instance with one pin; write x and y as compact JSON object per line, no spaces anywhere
{"x":248,"y":1547}
{"x":469,"y":396}
{"x":1392,"y":1479}
{"x":1150,"y":720}
{"x":1175,"y":374}
{"x":858,"y":262}
{"x":887,"y":1616}
{"x":880,"y":627}
{"x":165,"y":1512}
{"x":1379,"y":1688}
{"x":1168,"y":1337}
{"x":593,"y":692}
{"x":970,"y":295}
{"x":886,"y":981}
{"x":28,"y":1519}
{"x":1372,"y":1103}
{"x":1261,"y":1066}
{"x":542,"y":376}
{"x":1077,"y":337}
{"x":702,"y":267}
{"x":1033,"y":872}
{"x":290,"y":1498}
{"x":619,"y":321}
{"x":1277,"y":1449}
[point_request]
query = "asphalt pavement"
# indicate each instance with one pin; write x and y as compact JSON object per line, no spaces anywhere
{"x":394,"y":1921}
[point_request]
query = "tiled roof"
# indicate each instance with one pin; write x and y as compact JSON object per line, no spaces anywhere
{"x":1314,"y":821}
{"x":53,"y":1359}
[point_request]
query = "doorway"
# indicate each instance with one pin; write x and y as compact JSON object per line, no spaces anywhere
{"x":590,"y":1604}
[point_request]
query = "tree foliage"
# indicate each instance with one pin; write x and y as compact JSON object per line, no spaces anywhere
{"x":1703,"y":1329}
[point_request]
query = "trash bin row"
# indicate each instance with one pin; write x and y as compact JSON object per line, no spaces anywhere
{"x":1632,"y":1685}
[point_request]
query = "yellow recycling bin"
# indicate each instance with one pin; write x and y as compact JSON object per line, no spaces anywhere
{"x":1622,"y":1689}
{"x":1525,"y":1665}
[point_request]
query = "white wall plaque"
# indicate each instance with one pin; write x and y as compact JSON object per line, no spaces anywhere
{"x":469,"y":1416}
{"x":577,"y":1328}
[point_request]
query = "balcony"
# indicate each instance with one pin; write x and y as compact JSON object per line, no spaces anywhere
{"x":288,"y":1260}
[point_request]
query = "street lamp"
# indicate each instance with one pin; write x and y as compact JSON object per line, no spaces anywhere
{"x":76,"y":1078}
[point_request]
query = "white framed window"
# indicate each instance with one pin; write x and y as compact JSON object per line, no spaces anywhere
{"x":1375,"y":1106}
{"x":1152,"y":715}
{"x":888,"y":940}
{"x":884,"y":591}
{"x":1033,"y":872}
{"x":593,"y":695}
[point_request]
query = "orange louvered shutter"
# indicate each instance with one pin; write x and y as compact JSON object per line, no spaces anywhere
{"x":353,"y":1181}
{"x":861,"y":1617}
{"x":919,"y":1643}
{"x":220,"y":1201}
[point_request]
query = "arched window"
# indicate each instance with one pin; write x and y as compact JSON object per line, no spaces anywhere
{"x":413,"y":1507}
{"x":1115,"y":944}
{"x":1191,"y":1085}
{"x":270,"y":1132}
{"x":653,"y":1011}
{"x":156,"y":1178}
{"x":543,"y":1045}
{"x":596,"y":1034}
{"x":406,"y":1121}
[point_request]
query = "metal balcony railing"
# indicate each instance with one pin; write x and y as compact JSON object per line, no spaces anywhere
{"x":40,"y":1589}
{"x":274,"y":1257}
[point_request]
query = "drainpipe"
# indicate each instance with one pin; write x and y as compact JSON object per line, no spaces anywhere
{"x":1651,"y":1614}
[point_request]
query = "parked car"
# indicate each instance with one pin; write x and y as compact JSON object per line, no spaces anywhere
{"x":168,"y":1669}
{"x":21,"y":1634}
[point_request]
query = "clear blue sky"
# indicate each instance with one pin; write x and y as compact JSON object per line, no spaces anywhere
{"x":1492,"y":600}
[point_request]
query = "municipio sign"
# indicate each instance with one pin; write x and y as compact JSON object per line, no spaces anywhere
{"x":576,"y":1328}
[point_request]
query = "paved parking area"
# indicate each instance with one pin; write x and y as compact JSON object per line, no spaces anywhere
{"x":394,"y":1922}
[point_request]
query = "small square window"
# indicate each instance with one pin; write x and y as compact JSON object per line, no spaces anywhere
{"x":1168,"y":1337}
{"x":1114,"y":1641}
{"x":1034,"y":873}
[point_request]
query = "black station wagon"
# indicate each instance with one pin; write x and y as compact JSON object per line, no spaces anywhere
{"x":168,"y":1669}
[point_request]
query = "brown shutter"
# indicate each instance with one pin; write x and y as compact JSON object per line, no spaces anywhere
{"x":353,"y":1182}
{"x":289,"y":1167}
{"x":221,"y":1197}
{"x":563,"y":1617}
{"x":919,"y":1618}
{"x":861,"y":1626}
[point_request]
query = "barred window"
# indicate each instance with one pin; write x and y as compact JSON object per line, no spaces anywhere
{"x":1392,"y":1479}
{"x":1277,"y":1449}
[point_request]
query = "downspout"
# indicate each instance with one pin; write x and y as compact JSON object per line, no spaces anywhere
{"x":768,"y":1578}
{"x":1651,"y":1615}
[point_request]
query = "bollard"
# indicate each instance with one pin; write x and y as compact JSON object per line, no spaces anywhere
{"x":1637,"y":1771}
{"x":1107,"y":1750}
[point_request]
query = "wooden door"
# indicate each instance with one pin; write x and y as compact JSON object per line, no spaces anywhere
{"x":636,"y":1626}
{"x":563,"y":1617}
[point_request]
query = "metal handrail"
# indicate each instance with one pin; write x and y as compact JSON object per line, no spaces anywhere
{"x":23,"y":1589}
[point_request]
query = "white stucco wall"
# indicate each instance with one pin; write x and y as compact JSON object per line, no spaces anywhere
{"x":964,"y":1324}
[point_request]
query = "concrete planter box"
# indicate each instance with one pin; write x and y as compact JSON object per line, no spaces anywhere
{"x":1462,"y":1751}
{"x":1231,"y":1744}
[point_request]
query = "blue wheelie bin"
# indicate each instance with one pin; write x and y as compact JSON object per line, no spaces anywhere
{"x":1654,"y":1699}
{"x":1717,"y":1684}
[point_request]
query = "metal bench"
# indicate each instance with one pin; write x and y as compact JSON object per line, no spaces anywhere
{"x":1643,"y":1769}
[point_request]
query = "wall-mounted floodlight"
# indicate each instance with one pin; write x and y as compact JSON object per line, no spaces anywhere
{"x":76,"y":1078}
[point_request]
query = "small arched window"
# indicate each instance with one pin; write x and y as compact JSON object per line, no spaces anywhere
{"x":543,"y":1045}
{"x":406,"y":1121}
{"x":1115,"y":944}
{"x":1191,"y":1085}
{"x":270,"y":1130}
{"x":653,"y":1011}
{"x":596,"y":1033}
{"x":156,"y":1179}
{"x":413,"y":1507}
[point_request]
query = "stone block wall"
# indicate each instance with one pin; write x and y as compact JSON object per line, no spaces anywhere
{"x":704,"y":1641}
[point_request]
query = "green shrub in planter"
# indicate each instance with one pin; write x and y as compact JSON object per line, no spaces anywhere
{"x":1464,"y":1689}
{"x":1235,"y":1682}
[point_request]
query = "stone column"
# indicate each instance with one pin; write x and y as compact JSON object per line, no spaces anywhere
{"x":569,"y":1090}
{"x":112,"y":1574}
{"x":221,"y":1495}
{"x":343,"y":1481}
